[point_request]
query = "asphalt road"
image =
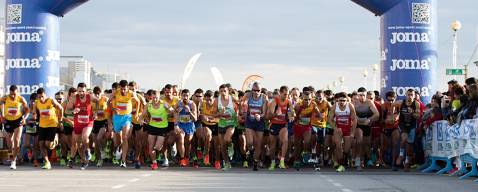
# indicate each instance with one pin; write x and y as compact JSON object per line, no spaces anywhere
{"x":27,"y":178}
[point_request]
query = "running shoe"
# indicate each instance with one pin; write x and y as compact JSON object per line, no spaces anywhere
{"x":123,"y":164}
{"x":227,"y":166}
{"x":84,"y":166}
{"x":99,"y":163}
{"x":206,"y":160}
{"x":255,"y":165}
{"x":272,"y":167}
{"x":369,"y":163}
{"x":341,"y":169}
{"x":199,"y":154}
{"x":183,"y":162}
{"x":245,"y":164}
{"x":137,"y":165}
{"x":297,"y":165}
{"x":47,"y":165}
{"x":282,"y":164}
{"x":62,"y":162}
{"x":154,"y":166}
{"x":165,"y":163}
{"x":115,"y":161}
{"x":13,"y":165}
{"x":217,"y":165}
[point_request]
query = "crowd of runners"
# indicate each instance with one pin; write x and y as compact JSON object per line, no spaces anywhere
{"x":258,"y":128}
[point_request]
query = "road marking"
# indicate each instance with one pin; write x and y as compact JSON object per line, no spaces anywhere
{"x":146,"y":175}
{"x":337,"y":184}
{"x":118,"y":186}
{"x":134,"y":180}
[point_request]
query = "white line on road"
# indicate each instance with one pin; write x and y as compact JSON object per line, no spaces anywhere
{"x":133,"y":180}
{"x":330,"y":180}
{"x":346,"y":190}
{"x":337,"y":184}
{"x":146,"y":175}
{"x":118,"y":186}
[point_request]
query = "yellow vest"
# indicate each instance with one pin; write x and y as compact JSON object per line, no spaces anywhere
{"x":47,"y":112}
{"x":12,"y":108}
{"x":100,"y":108}
{"x":123,"y":104}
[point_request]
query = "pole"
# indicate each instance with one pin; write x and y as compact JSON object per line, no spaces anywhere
{"x":455,"y":47}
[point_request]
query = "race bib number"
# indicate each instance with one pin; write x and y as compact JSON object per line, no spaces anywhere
{"x":122,"y":106}
{"x":31,"y":128}
{"x":156,"y":119}
{"x":227,"y":115}
{"x":184,"y":118}
{"x":83,"y":119}
{"x":12,"y":111}
{"x":45,"y":112}
{"x":254,"y":111}
{"x":304,"y":121}
{"x":100,"y":113}
{"x":342,"y":120}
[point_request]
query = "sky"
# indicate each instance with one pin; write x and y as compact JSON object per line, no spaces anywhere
{"x":292,"y":42}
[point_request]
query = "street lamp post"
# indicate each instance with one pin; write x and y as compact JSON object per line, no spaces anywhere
{"x":341,"y":80}
{"x":365,"y":74}
{"x":455,"y":26}
{"x":375,"y":69}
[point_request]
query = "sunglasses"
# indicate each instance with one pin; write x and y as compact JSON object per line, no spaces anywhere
{"x":256,"y":90}
{"x":391,"y":100}
{"x":199,"y":96}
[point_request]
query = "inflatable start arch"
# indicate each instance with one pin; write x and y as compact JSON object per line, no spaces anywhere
{"x":408,"y":44}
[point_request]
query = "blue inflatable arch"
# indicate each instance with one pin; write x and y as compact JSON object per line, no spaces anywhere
{"x":408,"y":44}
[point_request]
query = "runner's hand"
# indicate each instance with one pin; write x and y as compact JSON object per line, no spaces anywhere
{"x":257,"y":117}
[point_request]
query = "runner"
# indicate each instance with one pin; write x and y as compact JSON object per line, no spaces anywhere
{"x":390,"y":135}
{"x":49,"y":120}
{"x":342,"y":119}
{"x":156,"y":119}
{"x":30,"y":141}
{"x":376,"y":132}
{"x":186,"y":115}
{"x":209,"y":123}
{"x":170,"y":102}
{"x":122,"y":107}
{"x":239,"y":136}
{"x":82,"y":108}
{"x":140,"y":137}
{"x":294,"y":99}
{"x":324,"y":133}
{"x":281,"y":113}
{"x":303,"y":127}
{"x":66,"y":128}
{"x":100,"y":124}
{"x":256,"y":112}
{"x":227,"y":112}
{"x":367,"y":113}
{"x":409,"y":114}
{"x":203,"y":135}
{"x":15,"y":112}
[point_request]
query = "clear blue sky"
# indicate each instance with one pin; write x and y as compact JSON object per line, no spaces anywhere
{"x":294,"y":42}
